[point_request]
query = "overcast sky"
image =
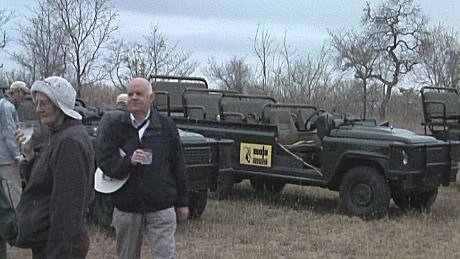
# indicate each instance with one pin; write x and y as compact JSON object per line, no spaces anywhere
{"x":224,"y":29}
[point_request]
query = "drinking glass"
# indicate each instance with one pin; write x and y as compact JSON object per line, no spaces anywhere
{"x":27,"y":129}
{"x":148,"y":159}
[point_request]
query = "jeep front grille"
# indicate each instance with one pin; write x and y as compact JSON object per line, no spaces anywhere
{"x":436,"y":154}
{"x":197,"y":155}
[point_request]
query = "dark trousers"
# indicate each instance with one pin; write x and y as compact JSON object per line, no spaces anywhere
{"x":78,"y":252}
{"x":2,"y":249}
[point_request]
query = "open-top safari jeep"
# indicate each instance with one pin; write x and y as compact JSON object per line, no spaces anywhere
{"x":275,"y":144}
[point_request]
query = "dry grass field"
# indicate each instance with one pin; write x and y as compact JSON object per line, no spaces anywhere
{"x":305,"y":222}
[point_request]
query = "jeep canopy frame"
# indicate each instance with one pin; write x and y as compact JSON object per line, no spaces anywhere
{"x":441,"y":112}
{"x":169,"y":90}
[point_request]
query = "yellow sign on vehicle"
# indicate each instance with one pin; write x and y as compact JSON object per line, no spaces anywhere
{"x":255,"y":154}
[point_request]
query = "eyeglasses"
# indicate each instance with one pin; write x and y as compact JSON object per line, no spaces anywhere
{"x":43,"y":104}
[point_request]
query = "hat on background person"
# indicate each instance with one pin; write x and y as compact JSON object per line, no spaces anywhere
{"x":19,"y":86}
{"x":122,"y":99}
{"x":60,"y":92}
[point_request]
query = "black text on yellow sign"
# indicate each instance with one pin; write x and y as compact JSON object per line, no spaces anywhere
{"x":255,"y":154}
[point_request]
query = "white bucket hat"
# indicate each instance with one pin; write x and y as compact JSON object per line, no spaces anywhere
{"x":60,"y":92}
{"x":105,"y":184}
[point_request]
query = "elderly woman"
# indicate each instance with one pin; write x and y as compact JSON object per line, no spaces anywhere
{"x":52,"y":209}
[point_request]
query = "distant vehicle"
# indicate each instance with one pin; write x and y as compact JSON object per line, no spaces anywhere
{"x":275,"y":144}
{"x":441,"y":112}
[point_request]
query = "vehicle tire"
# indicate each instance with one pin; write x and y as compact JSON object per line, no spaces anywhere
{"x":364,"y":192}
{"x":401,"y":199}
{"x":224,"y":185}
{"x":198,"y":201}
{"x":101,"y":210}
{"x":267,"y":187}
{"x":423,"y":200}
{"x":418,"y":200}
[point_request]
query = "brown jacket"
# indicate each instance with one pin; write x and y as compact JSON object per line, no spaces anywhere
{"x":51,"y":212}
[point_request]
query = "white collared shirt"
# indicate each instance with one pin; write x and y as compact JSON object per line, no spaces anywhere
{"x":136,"y":124}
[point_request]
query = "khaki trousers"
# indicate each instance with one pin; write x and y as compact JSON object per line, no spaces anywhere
{"x":159,"y":227}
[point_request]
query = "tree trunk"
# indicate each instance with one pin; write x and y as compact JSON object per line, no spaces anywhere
{"x":382,"y":111}
{"x":386,"y":100}
{"x":364,"y":98}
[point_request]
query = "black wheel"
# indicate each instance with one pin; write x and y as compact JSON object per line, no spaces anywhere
{"x":224,"y":185}
{"x":101,"y":210}
{"x":418,"y":200}
{"x":401,"y":199}
{"x":365,"y":193}
{"x":198,"y":201}
{"x":423,"y":199}
{"x":267,"y":187}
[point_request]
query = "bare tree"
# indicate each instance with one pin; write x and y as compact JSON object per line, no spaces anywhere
{"x":395,"y":28}
{"x":288,"y":55}
{"x":165,"y":58}
{"x":319,"y":74}
{"x":440,"y":58}
{"x":286,"y":75}
{"x":234,"y":75}
{"x":88,"y":26}
{"x":43,"y":47}
{"x":153,"y":55}
{"x":355,"y":54}
{"x":4,"y":18}
{"x":281,"y":77}
{"x":137,"y":61}
{"x":117,"y":73}
{"x":308,"y":77}
{"x":264,"y":49}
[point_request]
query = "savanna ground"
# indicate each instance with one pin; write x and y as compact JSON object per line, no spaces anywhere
{"x":305,"y":222}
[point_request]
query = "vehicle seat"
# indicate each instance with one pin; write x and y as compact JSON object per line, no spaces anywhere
{"x":436,"y":102}
{"x":324,"y":124}
{"x":301,"y":118}
{"x":287,"y":131}
{"x":202,"y":105}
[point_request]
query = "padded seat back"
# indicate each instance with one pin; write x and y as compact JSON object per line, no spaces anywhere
{"x":287,"y":132}
{"x":243,"y":108}
{"x":202,"y":105}
{"x":301,"y":118}
{"x":174,"y":91}
{"x":436,"y":101}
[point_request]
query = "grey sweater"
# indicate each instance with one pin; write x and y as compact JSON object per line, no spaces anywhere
{"x":9,"y":149}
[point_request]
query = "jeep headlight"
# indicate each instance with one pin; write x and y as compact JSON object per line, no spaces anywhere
{"x":95,"y":131}
{"x":92,"y":130}
{"x":405,"y":157}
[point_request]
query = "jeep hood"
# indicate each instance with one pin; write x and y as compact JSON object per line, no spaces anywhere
{"x":188,"y":136}
{"x":381,"y":133}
